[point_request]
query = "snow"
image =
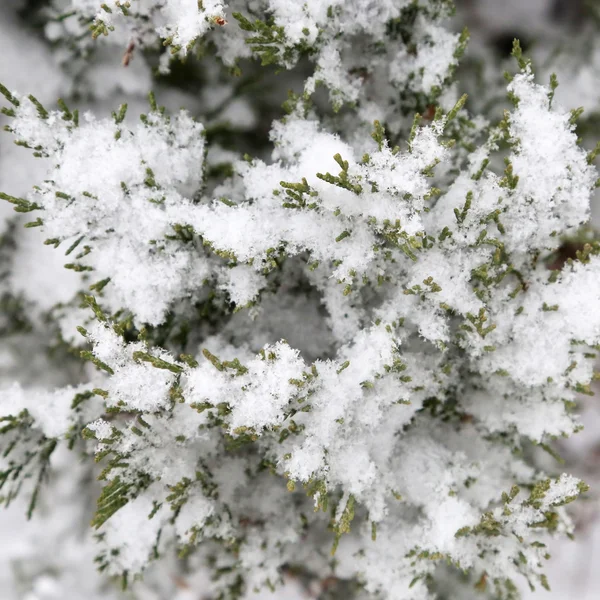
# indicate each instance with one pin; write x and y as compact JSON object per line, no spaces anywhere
{"x":353,"y":329}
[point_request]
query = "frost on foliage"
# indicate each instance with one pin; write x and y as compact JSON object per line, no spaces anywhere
{"x":133,"y":384}
{"x":552,"y":177}
{"x":318,"y":198}
{"x":340,"y":37}
{"x":357,"y":46}
{"x":51,"y":412}
{"x":395,"y":431}
{"x":428,"y":68}
{"x":107,"y":177}
{"x":180,"y":22}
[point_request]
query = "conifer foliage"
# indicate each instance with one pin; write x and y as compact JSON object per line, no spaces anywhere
{"x":330,"y":358}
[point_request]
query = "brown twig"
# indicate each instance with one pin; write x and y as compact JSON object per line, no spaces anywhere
{"x":128,"y":53}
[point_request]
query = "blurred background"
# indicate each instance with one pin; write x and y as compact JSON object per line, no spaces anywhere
{"x":561,"y":36}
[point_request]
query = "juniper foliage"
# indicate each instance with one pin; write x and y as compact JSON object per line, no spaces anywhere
{"x":331,"y":361}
